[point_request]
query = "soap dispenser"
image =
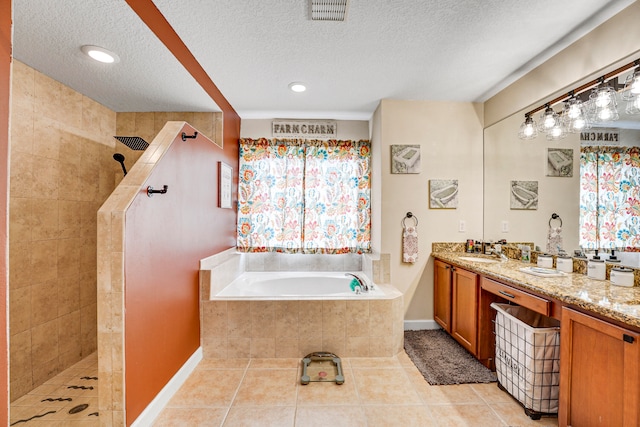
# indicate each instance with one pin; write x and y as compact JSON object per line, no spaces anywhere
{"x":596,"y":268}
{"x":613,"y":257}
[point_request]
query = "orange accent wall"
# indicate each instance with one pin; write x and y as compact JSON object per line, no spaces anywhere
{"x":166,"y":236}
{"x":5,"y":87}
{"x":171,"y":233}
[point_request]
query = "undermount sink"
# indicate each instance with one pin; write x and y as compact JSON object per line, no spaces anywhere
{"x":478,"y":259}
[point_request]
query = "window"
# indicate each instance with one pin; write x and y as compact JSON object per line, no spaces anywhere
{"x":304,"y":196}
{"x":610,"y":198}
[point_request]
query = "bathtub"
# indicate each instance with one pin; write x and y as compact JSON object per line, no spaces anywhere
{"x":291,"y":314}
{"x":297,"y":285}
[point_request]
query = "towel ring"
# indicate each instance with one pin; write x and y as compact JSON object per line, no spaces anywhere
{"x":555,"y":216}
{"x":409,"y":215}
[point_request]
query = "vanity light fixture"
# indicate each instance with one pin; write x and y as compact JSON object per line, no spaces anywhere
{"x":548,"y":119}
{"x":574,"y":115}
{"x":631,"y":92}
{"x":600,"y":107}
{"x":100,"y":54}
{"x":528,"y":129}
{"x":632,"y":83}
{"x":557,"y":132}
{"x":297,"y":86}
{"x":604,"y":105}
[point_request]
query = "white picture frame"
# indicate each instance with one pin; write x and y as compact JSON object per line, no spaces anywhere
{"x":405,"y":159}
{"x":524,"y":195}
{"x":560,"y":162}
{"x":443,"y":193}
{"x":225,"y":182}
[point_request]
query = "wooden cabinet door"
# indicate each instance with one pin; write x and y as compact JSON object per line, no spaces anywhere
{"x":464,"y":312}
{"x":599,"y":373}
{"x":442,"y":294}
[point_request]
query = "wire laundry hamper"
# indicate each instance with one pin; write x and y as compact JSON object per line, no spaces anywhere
{"x":528,"y":357}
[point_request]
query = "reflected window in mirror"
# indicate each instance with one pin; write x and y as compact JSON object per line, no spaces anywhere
{"x":610,"y":197}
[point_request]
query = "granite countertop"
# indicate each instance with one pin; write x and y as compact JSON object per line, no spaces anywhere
{"x":615,"y":302}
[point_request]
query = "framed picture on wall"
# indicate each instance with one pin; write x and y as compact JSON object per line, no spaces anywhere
{"x":524,"y":195}
{"x":405,"y":159}
{"x":225,"y":181}
{"x":560,"y":162}
{"x":443,"y":193}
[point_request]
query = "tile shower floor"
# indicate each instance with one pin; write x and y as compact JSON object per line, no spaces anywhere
{"x":49,"y":404}
{"x":267,"y":392}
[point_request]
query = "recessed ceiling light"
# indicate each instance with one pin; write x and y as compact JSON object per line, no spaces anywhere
{"x":100,"y":54}
{"x":297,"y":87}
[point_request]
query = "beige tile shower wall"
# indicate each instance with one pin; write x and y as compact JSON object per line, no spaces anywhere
{"x":281,"y":329}
{"x":61,"y":171}
{"x":146,"y":125}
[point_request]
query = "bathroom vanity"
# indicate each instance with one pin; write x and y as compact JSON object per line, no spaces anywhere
{"x":600,"y":330}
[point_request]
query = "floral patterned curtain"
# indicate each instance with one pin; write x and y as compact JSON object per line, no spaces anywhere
{"x":610,"y":198}
{"x":307,"y":196}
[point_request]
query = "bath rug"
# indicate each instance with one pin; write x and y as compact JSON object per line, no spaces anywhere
{"x":442,"y":361}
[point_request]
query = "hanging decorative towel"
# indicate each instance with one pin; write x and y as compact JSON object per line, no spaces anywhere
{"x":410,"y":240}
{"x":554,"y":236}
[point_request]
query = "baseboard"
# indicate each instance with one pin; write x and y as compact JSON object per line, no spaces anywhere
{"x":156,"y":406}
{"x":417,"y":325}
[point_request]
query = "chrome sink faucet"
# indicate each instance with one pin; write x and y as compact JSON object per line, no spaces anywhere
{"x":362,"y":283}
{"x":497,"y":251}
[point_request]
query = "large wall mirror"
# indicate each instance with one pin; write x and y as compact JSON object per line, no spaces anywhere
{"x":526,"y":182}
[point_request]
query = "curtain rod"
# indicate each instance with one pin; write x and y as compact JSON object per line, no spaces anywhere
{"x":585,"y":86}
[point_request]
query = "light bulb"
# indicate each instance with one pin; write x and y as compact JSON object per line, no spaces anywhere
{"x":549,"y":121}
{"x":603,"y":99}
{"x":579,"y":123}
{"x":605,"y":114}
{"x":574,"y":111}
{"x":528,"y":130}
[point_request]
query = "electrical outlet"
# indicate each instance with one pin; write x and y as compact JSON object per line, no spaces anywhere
{"x":504,"y":226}
{"x":462,"y":226}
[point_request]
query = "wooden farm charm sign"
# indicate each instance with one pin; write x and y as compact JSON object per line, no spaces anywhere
{"x":305,"y":128}
{"x":603,"y":137}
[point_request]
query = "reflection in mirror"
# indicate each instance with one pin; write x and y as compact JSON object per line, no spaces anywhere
{"x":555,"y":166}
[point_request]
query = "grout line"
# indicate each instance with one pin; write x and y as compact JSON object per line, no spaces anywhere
{"x":235,"y":394}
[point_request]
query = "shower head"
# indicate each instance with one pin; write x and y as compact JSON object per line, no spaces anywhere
{"x":120,"y":159}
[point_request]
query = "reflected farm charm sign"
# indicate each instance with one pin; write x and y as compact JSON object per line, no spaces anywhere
{"x":305,"y":128}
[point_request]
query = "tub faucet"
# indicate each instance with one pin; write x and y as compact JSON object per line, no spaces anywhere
{"x":363,"y":285}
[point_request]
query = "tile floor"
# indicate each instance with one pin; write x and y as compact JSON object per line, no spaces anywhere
{"x":267,"y":392}
{"x":376,"y":392}
{"x":55,"y":413}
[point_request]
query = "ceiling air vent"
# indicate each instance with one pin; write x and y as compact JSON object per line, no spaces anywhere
{"x":329,"y":10}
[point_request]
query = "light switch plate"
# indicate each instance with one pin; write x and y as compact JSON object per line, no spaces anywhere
{"x":462,"y":226}
{"x":504,"y":227}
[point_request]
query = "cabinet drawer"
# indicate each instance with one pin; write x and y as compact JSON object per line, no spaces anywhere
{"x":532,"y":302}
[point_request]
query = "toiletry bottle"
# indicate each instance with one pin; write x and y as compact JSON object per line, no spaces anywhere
{"x":526,"y":253}
{"x":469,"y":247}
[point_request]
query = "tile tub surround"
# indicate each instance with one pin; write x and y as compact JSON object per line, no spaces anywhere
{"x":285,"y":329}
{"x":244,"y":328}
{"x":600,"y":297}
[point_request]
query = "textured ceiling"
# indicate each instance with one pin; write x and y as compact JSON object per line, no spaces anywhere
{"x":457,"y":50}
